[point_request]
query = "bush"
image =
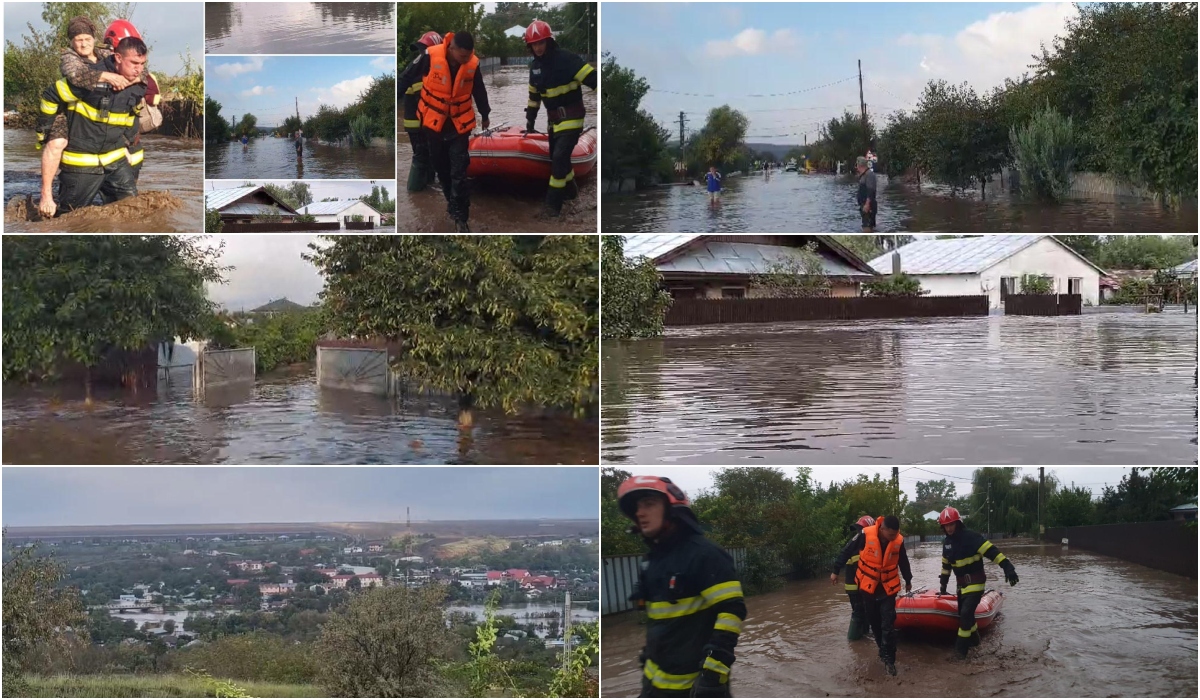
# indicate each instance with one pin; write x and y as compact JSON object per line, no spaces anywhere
{"x":1043,"y":154}
{"x":901,"y":285}
{"x":212,"y":221}
{"x":1036,"y":284}
{"x":634,"y":304}
{"x":258,"y":656}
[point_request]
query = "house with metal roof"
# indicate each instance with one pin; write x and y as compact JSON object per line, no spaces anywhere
{"x":342,"y":211}
{"x":241,"y":205}
{"x":716,"y":267}
{"x":994,"y":265}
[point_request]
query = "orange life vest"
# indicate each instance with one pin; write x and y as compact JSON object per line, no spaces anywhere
{"x":877,"y":565}
{"x":441,"y":100}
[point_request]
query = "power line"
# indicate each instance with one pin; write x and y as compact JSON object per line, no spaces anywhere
{"x":773,"y":94}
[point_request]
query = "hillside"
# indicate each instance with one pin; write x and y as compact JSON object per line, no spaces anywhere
{"x":165,"y":686}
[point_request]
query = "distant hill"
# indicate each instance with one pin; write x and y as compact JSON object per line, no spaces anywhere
{"x":278,"y":306}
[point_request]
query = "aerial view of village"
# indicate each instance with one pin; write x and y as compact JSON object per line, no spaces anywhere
{"x":298,"y":349}
{"x":394,"y":586}
{"x":796,"y":349}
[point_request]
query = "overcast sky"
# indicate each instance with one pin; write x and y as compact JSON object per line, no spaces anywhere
{"x":265,"y":267}
{"x":198,"y":495}
{"x":693,"y":479}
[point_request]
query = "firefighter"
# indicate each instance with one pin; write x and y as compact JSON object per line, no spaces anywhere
{"x":882,"y":560}
{"x":962,"y":552}
{"x":421,"y":175}
{"x":692,"y":595}
{"x":858,"y":616}
{"x":556,"y":78}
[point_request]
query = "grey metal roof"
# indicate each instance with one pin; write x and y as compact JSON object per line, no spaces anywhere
{"x":1188,"y":268}
{"x":215,"y":199}
{"x":252,"y":209}
{"x":715,"y":257}
{"x":656,"y":244}
{"x":328,"y":208}
{"x":955,"y":256}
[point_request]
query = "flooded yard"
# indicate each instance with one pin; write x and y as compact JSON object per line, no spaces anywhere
{"x":1103,"y":388}
{"x":299,"y":27}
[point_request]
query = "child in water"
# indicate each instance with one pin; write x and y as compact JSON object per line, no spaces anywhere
{"x":714,"y":183}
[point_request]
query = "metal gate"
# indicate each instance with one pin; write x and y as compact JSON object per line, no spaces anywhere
{"x":355,"y":369}
{"x":619,"y":576}
{"x":218,"y":368}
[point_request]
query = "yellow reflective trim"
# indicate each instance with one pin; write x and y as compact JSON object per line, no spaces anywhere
{"x":668,"y":681}
{"x":534,"y":104}
{"x":969,"y":560}
{"x":64,"y":91}
{"x":87,"y":160}
{"x":722,"y":591}
{"x":583,"y":72}
{"x":412,"y":123}
{"x":973,"y":588}
{"x":533,"y":89}
{"x":570,"y":176}
{"x":853,"y":559}
{"x":728,"y":622}
{"x":664,"y":610}
{"x":999,"y":558}
{"x":415,"y":88}
{"x":569,"y":124}
{"x":852,"y":586}
{"x":555,"y":182}
{"x":945,"y":572}
{"x":114,"y":118}
{"x":561,"y":89}
{"x":983,"y":548}
{"x":135,"y":158}
{"x":964,"y":633}
{"x":711,"y":664}
{"x":945,"y":560}
{"x":49,"y":107}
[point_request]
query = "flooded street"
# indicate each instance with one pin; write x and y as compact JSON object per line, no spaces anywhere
{"x":282,"y":419}
{"x":270,"y":157}
{"x":1101,"y":388}
{"x":299,"y":27}
{"x":169,"y":189}
{"x":791,"y":202}
{"x":532,"y":613}
{"x":1077,"y":625}
{"x":498,"y":205}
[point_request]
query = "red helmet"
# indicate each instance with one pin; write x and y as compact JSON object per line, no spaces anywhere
{"x":120,"y":29}
{"x":635,"y":487}
{"x":865,"y":521}
{"x":949,"y":515}
{"x":538,"y":31}
{"x":430,"y":39}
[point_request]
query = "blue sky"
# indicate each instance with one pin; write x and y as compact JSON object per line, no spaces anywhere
{"x":170,"y":28}
{"x":267,"y":86}
{"x":196,"y":495}
{"x":729,"y":51}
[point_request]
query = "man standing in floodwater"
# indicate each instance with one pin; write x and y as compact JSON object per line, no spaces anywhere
{"x":858,"y":614}
{"x":882,"y":560}
{"x":102,"y":127}
{"x":868,"y":204}
{"x":692,"y":594}
{"x":420,"y":174}
{"x":450,"y":93}
{"x":713,"y":179}
{"x":962,"y":552}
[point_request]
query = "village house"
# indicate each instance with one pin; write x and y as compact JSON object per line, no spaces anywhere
{"x":551,"y":543}
{"x":237,"y":581}
{"x":994,"y":266}
{"x":276,"y":588}
{"x":343,"y":211}
{"x":515,"y":574}
{"x":307,"y":552}
{"x":585,"y":540}
{"x":243,"y":205}
{"x":723,"y":267}
{"x":367,"y":580}
{"x":375,"y":547}
{"x":251,"y":566}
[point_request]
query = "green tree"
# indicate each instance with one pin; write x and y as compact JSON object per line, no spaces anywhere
{"x":614,"y":526}
{"x":935,"y":494}
{"x":354,"y":585}
{"x":247,"y":126}
{"x":300,"y":193}
{"x":633,"y":146}
{"x":495,"y":320}
{"x":1043,"y":154}
{"x":169,"y":626}
{"x":901,"y":285}
{"x":1036,"y":284}
{"x":634,"y":303}
{"x":415,"y":18}
{"x":1070,"y":507}
{"x":216,"y":128}
{"x":721,"y":139}
{"x":799,"y":275}
{"x":212,"y":221}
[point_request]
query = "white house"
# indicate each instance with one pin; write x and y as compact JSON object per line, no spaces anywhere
{"x":994,"y":265}
{"x":342,"y":211}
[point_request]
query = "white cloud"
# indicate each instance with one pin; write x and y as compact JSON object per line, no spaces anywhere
{"x":338,"y":95}
{"x":385,"y":63}
{"x":258,"y":90}
{"x":233,"y":70}
{"x":751,"y":42}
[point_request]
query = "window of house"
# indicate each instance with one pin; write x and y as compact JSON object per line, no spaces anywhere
{"x":1008,"y":285}
{"x":1074,"y":285}
{"x":685,"y":293}
{"x":733,"y":292}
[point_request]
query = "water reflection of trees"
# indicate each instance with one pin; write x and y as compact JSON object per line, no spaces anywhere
{"x":219,"y":19}
{"x":374,"y":12}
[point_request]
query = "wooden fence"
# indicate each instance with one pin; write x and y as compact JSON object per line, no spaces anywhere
{"x":1043,"y":305}
{"x":279,"y":227}
{"x":360,"y":225}
{"x":695,"y":312}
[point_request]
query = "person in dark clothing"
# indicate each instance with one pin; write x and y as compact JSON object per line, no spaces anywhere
{"x":691,"y":591}
{"x":962,"y":552}
{"x":451,"y":91}
{"x":421,"y":175}
{"x":882,"y":562}
{"x":858,"y":615}
{"x":556,"y":79}
{"x":868,"y":204}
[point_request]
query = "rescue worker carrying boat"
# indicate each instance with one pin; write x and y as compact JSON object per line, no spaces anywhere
{"x":962,"y":552}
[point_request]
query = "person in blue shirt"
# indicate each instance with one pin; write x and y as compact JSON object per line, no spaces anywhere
{"x":245,"y":140}
{"x":714,"y":183}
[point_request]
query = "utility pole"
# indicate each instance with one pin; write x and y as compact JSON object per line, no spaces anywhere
{"x":1041,"y":485}
{"x":896,"y":487}
{"x":682,"y":121}
{"x":989,"y":508}
{"x":861,"y":103}
{"x":297,"y":107}
{"x":567,"y":631}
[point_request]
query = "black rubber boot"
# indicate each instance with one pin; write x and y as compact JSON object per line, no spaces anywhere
{"x":961,"y":646}
{"x":460,"y":226}
{"x":976,"y":640}
{"x":856,"y":631}
{"x":891,"y":668}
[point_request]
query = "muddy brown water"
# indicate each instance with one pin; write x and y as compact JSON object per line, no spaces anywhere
{"x":497,"y":205}
{"x":283,"y":419}
{"x":169,"y":199}
{"x":791,"y":202}
{"x":1077,"y":625}
{"x":270,"y":157}
{"x":1105,"y":388}
{"x":299,"y":27}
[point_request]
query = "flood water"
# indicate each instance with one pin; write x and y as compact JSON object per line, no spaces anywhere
{"x":1111,"y":388}
{"x":299,"y":27}
{"x":169,"y":189}
{"x":1077,"y":625}
{"x":797,"y":203}
{"x":282,"y":419}
{"x":533,"y":613}
{"x":496,"y":205}
{"x":270,"y":157}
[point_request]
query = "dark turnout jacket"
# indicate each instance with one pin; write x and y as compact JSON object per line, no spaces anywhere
{"x":963,"y":553}
{"x":854,"y":548}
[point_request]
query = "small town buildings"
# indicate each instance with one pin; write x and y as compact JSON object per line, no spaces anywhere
{"x":237,"y":581}
{"x":515,"y":574}
{"x":343,"y":211}
{"x":994,"y":266}
{"x":375,"y":547}
{"x":243,"y":205}
{"x":723,"y":267}
{"x":276,"y":588}
{"x":1184,"y":512}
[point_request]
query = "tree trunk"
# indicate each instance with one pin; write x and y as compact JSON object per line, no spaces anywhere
{"x":87,"y":386}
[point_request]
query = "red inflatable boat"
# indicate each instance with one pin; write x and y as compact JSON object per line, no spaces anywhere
{"x":929,"y":611}
{"x":506,"y":152}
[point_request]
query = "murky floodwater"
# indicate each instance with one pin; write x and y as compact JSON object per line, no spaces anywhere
{"x":270,"y":157}
{"x":795,"y":203}
{"x":1077,"y":625}
{"x":169,"y":189}
{"x":497,"y":205}
{"x":1093,"y":389}
{"x":279,"y":420}
{"x":539,"y":614}
{"x":299,"y":27}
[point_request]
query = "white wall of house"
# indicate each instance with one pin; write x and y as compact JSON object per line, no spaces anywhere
{"x":1051,"y":259}
{"x":953,"y":286}
{"x":357,"y":208}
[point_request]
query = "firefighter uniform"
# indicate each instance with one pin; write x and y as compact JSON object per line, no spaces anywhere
{"x":880,"y":568}
{"x":963,"y":554}
{"x":556,"y":79}
{"x":849,"y":558}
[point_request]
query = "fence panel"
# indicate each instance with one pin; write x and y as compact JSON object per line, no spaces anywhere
{"x":619,"y":576}
{"x":279,"y":227}
{"x":1043,"y":305}
{"x":360,"y":225}
{"x":1168,"y":545}
{"x":693,"y":312}
{"x":217,"y":368}
{"x":354,"y":369}
{"x":1070,"y":304}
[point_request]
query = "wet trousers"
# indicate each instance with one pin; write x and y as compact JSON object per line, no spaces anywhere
{"x":968,"y":629}
{"x":562,"y":173}
{"x":421,"y":174}
{"x":858,"y":615}
{"x":77,"y":188}
{"x":881,"y":613}
{"x":649,"y":691}
{"x":450,"y":159}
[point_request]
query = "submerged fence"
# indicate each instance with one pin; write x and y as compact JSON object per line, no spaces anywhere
{"x":355,"y":369}
{"x":217,"y":368}
{"x":1043,"y":305}
{"x":694,"y":312}
{"x":279,"y":227}
{"x":619,"y":576}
